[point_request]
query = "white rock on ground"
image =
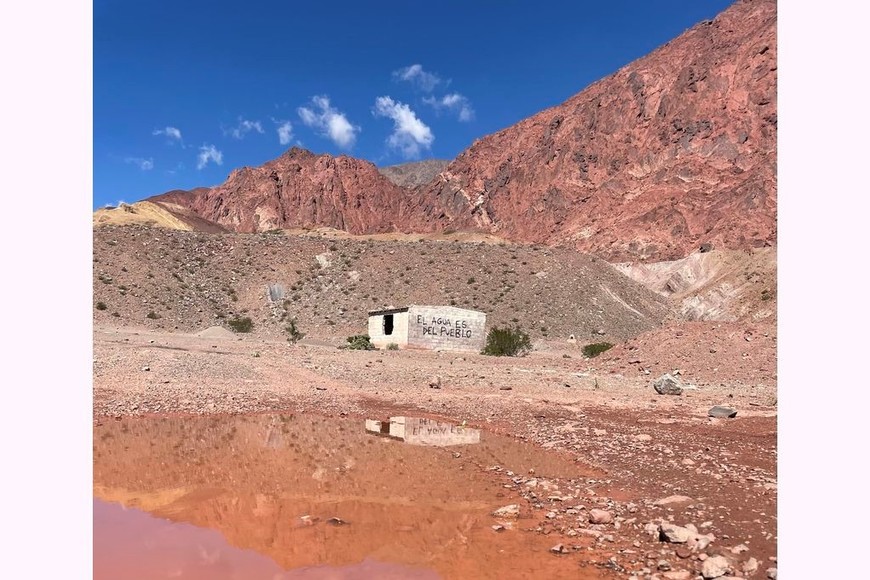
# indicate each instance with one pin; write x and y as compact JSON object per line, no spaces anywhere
{"x":715,"y":567}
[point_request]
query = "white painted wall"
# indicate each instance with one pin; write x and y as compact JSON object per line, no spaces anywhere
{"x":400,"y":330}
{"x":446,"y":328}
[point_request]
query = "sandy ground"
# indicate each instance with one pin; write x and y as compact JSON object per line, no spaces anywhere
{"x":649,"y":446}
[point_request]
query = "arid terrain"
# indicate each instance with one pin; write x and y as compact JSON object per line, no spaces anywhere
{"x":640,"y":213}
{"x":636,"y":447}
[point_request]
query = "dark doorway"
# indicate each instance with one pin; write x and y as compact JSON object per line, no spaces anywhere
{"x":388,"y":324}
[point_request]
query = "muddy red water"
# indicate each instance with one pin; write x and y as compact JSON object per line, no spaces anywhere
{"x":291,"y":496}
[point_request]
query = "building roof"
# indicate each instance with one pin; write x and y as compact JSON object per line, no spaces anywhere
{"x":405,"y":309}
{"x":388,"y":311}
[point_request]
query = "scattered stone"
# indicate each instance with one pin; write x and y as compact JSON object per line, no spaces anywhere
{"x":498,"y":528}
{"x":715,"y":567}
{"x":667,"y":385}
{"x":559,"y":549}
{"x":664,"y":565}
{"x":750,"y":566}
{"x":146,"y":369}
{"x":435,"y":382}
{"x":672,"y":499}
{"x":674,"y":534}
{"x":508,"y":511}
{"x":739,"y":549}
{"x":597,"y":516}
{"x":701,"y":541}
{"x":722,"y":412}
{"x":771,"y":573}
{"x":336,"y":522}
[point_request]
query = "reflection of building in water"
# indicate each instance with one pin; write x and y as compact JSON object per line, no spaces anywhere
{"x":430,"y":327}
{"x":420,"y":431}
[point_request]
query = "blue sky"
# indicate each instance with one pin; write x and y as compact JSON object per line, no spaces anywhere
{"x":184,"y":92}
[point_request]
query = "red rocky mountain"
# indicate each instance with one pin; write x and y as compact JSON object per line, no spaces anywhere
{"x":301,"y":189}
{"x":674,"y":150}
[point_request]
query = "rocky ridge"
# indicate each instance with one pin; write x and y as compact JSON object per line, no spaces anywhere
{"x":675,"y":150}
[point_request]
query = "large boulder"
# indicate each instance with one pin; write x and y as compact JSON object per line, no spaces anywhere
{"x":668,"y":385}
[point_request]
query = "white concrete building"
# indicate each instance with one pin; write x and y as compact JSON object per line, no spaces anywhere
{"x":429,"y":327}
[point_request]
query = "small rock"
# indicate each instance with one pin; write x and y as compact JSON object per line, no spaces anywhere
{"x":336,"y":522}
{"x":771,"y":573}
{"x":146,"y":369}
{"x":498,"y":528}
{"x":674,"y":534}
{"x":677,"y":575}
{"x":664,"y":565}
{"x":643,"y":437}
{"x":505,"y":388}
{"x":715,"y":567}
{"x":739,"y":549}
{"x":597,"y":516}
{"x":687,"y":462}
{"x":722,"y":412}
{"x":508,"y":511}
{"x":683,"y":552}
{"x":750,"y":566}
{"x":599,"y":432}
{"x":672,"y":499}
{"x":320,"y":388}
{"x":667,"y":385}
{"x":559,"y":549}
{"x":435,"y":382}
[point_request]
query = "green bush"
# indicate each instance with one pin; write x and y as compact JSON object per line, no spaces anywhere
{"x":237,"y":324}
{"x":593,"y":350}
{"x":359,"y":342}
{"x":507,"y":342}
{"x":101,"y":306}
{"x":293,"y":333}
{"x":392,"y":346}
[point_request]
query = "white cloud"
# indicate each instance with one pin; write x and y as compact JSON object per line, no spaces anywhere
{"x":410,"y":134}
{"x":329,"y":122}
{"x":144,"y":164}
{"x":171,"y":133}
{"x":421,"y":79}
{"x":209,"y":153}
{"x":454,"y":102}
{"x":243,"y":128}
{"x":285,"y":131}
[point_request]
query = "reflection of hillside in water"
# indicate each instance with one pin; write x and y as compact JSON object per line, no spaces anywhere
{"x":135,"y":545}
{"x":253,"y":478}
